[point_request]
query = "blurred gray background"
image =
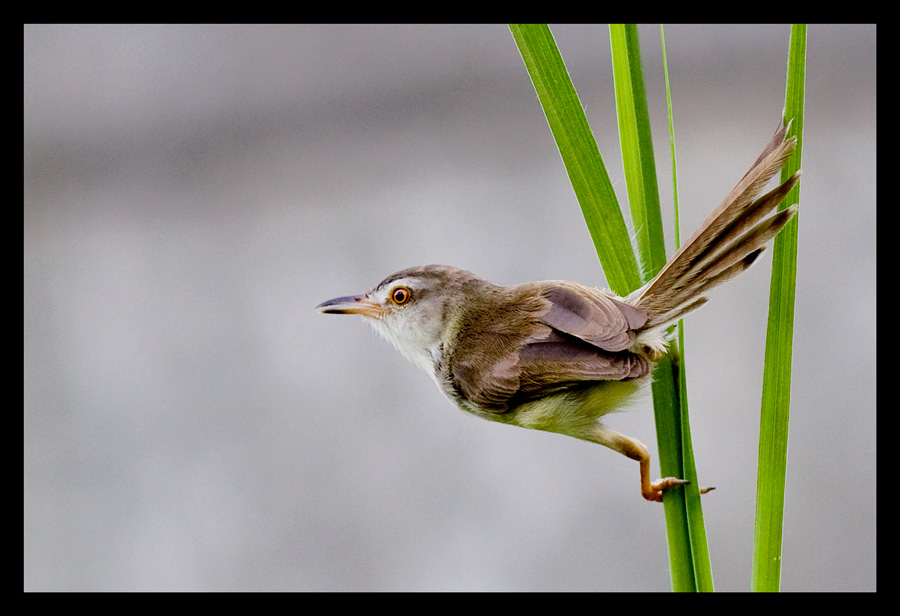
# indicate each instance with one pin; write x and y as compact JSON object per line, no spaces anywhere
{"x":191,"y":423}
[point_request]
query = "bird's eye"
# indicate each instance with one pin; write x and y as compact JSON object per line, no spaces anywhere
{"x":401,"y":295}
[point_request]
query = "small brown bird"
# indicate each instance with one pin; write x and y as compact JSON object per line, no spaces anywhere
{"x":556,"y":355}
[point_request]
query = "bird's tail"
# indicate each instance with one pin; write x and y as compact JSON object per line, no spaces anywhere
{"x":727,"y":242}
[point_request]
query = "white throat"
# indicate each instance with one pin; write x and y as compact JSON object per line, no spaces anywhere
{"x":414,"y":344}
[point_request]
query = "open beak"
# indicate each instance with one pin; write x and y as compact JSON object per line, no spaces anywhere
{"x":352,"y":304}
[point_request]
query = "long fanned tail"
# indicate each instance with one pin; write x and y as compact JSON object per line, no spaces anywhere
{"x":727,"y":242}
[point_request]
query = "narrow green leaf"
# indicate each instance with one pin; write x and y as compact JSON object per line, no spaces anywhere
{"x":580,"y":155}
{"x":667,"y":415}
{"x":637,"y":146}
{"x":776,"y":397}
{"x":696,"y":526}
{"x":637,"y":159}
{"x":688,"y":552}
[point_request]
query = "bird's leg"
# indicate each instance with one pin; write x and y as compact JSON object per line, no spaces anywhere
{"x":634,"y":449}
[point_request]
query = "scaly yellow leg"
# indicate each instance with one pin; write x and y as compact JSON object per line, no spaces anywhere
{"x":634,"y":449}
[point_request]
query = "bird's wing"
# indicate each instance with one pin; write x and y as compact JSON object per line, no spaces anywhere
{"x":590,"y":315}
{"x":569,"y":338}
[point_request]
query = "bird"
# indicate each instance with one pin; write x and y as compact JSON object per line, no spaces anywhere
{"x":558,"y":355}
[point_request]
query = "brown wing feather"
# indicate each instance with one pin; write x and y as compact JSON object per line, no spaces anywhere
{"x":553,"y":361}
{"x":591,"y":316}
{"x":528,"y":350}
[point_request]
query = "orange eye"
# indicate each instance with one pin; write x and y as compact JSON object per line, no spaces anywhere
{"x":400,"y":295}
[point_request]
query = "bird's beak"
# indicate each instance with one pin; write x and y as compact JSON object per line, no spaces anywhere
{"x":352,"y":304}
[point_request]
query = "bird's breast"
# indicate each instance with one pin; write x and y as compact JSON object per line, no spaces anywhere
{"x":573,"y":412}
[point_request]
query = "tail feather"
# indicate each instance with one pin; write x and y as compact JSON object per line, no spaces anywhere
{"x":725,"y":265}
{"x":726,"y":244}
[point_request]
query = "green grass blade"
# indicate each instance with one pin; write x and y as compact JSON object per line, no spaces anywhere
{"x":696,"y":525}
{"x":688,"y":552}
{"x":643,"y":196}
{"x":580,"y":155}
{"x":637,"y":146}
{"x":773,"y":434}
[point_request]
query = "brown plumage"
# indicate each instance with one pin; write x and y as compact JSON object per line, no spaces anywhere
{"x":557,"y":355}
{"x":727,"y":242}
